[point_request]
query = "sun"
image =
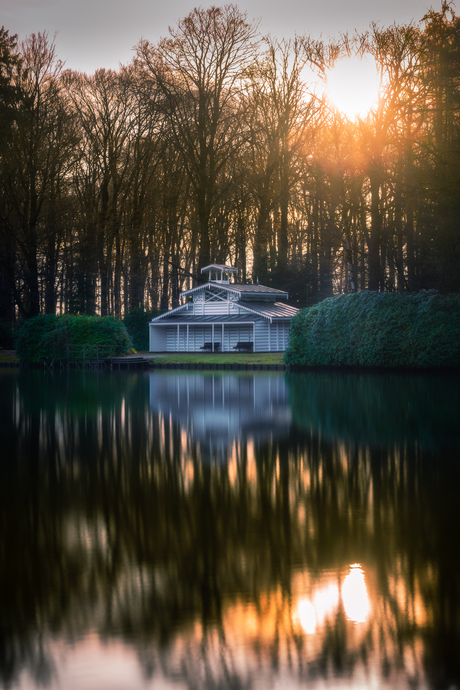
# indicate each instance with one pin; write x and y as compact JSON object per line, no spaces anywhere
{"x":353,"y":86}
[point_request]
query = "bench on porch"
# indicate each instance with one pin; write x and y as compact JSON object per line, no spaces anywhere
{"x":244,"y":346}
{"x":207,"y":347}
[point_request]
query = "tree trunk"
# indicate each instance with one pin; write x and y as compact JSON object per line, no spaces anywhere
{"x":373,"y":249}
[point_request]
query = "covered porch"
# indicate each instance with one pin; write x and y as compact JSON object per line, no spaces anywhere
{"x":191,"y":336}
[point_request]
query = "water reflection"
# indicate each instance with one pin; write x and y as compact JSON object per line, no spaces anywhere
{"x":354,"y":594}
{"x":208,"y":531}
{"x":312,"y":613}
{"x":215,"y":411}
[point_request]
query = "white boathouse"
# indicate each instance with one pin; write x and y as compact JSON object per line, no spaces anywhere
{"x":224,"y":316}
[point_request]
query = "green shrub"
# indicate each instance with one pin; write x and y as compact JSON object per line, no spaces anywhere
{"x":48,"y":335}
{"x":378,"y":329}
{"x":29,"y":338}
{"x":137,"y":325}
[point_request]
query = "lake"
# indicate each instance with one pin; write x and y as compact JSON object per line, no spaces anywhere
{"x":215,"y":530}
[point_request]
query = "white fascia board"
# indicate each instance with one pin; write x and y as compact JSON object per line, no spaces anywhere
{"x":220,"y":267}
{"x":219,"y":286}
{"x":206,"y":323}
{"x":168,"y":313}
{"x":253,"y":311}
{"x":228,"y":288}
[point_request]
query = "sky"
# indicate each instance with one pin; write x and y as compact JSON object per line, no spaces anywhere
{"x":101,"y":33}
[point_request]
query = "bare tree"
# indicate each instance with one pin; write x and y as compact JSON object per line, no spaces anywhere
{"x":34,"y":168}
{"x":105,"y":113}
{"x":395,"y":50}
{"x":198,"y":71}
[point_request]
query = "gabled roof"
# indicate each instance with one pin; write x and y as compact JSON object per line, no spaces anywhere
{"x":276,"y":310}
{"x":169,"y":313}
{"x":220,"y":267}
{"x":259,"y":289}
{"x":270,"y":311}
{"x":240,"y":289}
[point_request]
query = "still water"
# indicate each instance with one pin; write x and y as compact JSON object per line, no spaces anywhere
{"x":213,"y":531}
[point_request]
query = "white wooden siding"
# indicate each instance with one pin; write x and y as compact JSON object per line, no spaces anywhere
{"x":279,"y":336}
{"x":268,"y":337}
{"x":261,"y":335}
{"x":276,"y":337}
{"x":177,"y":340}
{"x":216,"y":308}
{"x":157,"y":340}
{"x":236,"y":334}
{"x":171,"y":338}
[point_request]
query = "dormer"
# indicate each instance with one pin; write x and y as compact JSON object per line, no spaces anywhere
{"x":218,"y":273}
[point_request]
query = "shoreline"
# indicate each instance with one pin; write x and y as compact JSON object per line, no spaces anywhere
{"x":232,"y":362}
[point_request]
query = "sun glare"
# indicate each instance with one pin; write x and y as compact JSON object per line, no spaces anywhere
{"x":354,"y":595}
{"x":313,"y":611}
{"x":353,"y":86}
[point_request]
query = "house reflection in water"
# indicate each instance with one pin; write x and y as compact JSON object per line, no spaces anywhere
{"x":216,"y":410}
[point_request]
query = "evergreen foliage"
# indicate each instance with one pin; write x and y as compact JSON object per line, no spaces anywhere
{"x":374,"y":329}
{"x":137,"y":325}
{"x":47,"y":335}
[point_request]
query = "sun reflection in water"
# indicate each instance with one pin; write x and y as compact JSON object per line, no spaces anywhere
{"x":312,"y":611}
{"x":354,"y":595}
{"x":306,"y":615}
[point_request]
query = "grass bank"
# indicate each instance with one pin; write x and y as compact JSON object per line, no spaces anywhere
{"x":272,"y":358}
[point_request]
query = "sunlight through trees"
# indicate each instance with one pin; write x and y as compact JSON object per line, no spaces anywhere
{"x":217,"y":144}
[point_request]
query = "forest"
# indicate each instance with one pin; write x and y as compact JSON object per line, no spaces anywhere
{"x":218,"y":144}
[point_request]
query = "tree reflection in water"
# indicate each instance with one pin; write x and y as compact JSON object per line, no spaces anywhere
{"x":232,"y":530}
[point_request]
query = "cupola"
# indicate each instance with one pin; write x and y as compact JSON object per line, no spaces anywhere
{"x":219,"y":273}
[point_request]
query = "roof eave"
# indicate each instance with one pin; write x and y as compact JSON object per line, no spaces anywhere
{"x":168,"y":313}
{"x":221,"y":286}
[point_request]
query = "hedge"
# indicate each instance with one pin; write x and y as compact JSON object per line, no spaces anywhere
{"x":47,"y":335}
{"x":378,"y":329}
